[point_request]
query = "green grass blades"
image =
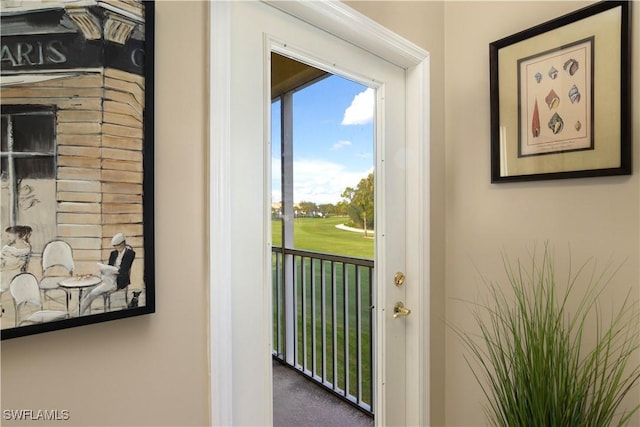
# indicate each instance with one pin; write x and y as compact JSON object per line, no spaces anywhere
{"x":321,"y":235}
{"x":546,"y":355}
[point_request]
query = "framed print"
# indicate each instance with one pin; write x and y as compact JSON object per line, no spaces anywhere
{"x":560,"y":97}
{"x":76,"y":163}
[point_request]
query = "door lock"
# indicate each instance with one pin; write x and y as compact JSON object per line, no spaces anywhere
{"x":399,"y":310}
{"x":398,"y":278}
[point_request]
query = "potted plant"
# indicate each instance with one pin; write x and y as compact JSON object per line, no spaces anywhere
{"x":546,"y":355}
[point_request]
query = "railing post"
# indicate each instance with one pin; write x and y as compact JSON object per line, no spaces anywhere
{"x":303,"y":312}
{"x":334,"y":325}
{"x":323,"y":310}
{"x":289,"y":304}
{"x":358,"y":334}
{"x":314,"y":337}
{"x":345,"y":323}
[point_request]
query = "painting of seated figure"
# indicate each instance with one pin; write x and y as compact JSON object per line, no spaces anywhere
{"x":76,"y":162}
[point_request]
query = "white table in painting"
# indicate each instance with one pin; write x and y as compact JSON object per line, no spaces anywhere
{"x":80,"y":283}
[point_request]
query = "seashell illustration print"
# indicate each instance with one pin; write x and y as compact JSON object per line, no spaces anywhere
{"x":535,"y":122}
{"x":556,"y":124}
{"x":578,"y":126}
{"x":574,"y":94}
{"x":571,"y":66}
{"x":538,"y":77}
{"x":553,"y":73}
{"x":552,"y":99}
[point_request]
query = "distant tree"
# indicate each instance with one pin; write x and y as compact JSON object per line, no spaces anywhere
{"x":342,"y":208}
{"x":346,"y":206}
{"x":361,"y":203}
{"x":308,"y":208}
{"x":327,"y":209}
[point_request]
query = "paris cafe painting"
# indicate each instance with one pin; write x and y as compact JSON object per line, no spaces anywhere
{"x":76,"y":163}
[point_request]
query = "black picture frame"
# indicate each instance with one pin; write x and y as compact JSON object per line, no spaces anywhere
{"x":561,"y":101}
{"x":88,"y":70}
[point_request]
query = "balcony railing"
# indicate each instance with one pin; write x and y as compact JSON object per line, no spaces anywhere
{"x":323,"y":320}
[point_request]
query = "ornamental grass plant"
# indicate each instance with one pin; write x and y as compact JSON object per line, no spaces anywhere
{"x":547,"y":355}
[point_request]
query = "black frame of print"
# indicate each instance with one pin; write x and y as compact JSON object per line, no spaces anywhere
{"x":601,"y":152}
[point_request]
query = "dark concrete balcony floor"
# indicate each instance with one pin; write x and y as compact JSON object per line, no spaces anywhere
{"x":298,"y":402}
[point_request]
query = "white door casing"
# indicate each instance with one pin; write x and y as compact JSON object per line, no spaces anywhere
{"x":239,"y":253}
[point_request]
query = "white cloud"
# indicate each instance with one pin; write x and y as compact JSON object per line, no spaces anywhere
{"x":340,"y":144}
{"x":360,"y":111}
{"x":317,"y":181}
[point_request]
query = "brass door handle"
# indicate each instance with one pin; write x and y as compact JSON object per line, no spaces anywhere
{"x":399,"y":310}
{"x":398,"y":278}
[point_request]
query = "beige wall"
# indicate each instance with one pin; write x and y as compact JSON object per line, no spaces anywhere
{"x":595,"y":216}
{"x":153,"y":369}
{"x":150,"y":370}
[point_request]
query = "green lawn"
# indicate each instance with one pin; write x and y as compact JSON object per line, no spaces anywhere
{"x":321,"y":235}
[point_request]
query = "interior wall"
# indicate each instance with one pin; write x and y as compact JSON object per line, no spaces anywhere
{"x":594,"y":217}
{"x":150,"y":370}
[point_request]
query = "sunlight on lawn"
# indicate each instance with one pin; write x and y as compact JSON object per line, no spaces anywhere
{"x":321,"y":235}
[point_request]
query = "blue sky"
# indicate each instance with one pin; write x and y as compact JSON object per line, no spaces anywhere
{"x":333,"y":139}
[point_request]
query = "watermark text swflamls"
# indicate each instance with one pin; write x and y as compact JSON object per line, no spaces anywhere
{"x":36,"y":414}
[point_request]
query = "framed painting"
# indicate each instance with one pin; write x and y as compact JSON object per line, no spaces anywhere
{"x":76,"y":100}
{"x":560,"y":97}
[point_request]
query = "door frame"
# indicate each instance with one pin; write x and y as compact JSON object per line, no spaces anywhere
{"x":357,"y":29}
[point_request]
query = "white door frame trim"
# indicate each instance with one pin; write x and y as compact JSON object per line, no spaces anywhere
{"x":357,"y":29}
{"x":220,"y":331}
